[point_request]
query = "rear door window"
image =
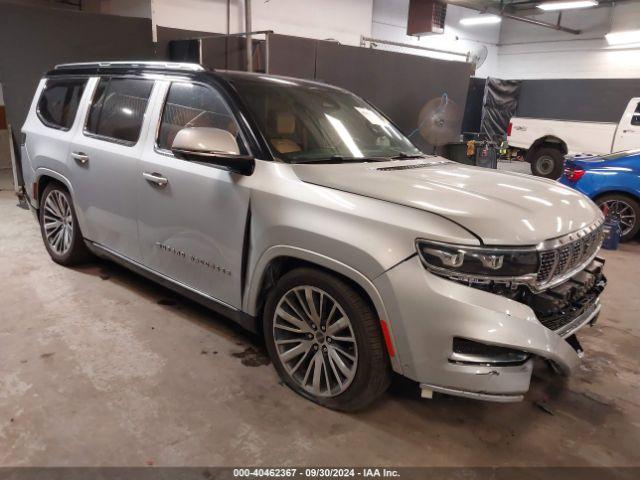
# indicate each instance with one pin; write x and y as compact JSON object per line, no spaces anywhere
{"x":118,"y":107}
{"x":58,"y":103}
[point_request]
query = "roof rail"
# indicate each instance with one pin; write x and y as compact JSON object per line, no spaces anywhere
{"x":192,"y":67}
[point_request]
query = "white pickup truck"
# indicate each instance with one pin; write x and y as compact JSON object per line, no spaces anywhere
{"x":546,"y":142}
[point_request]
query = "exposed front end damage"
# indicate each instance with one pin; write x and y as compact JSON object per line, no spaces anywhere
{"x":480,"y":342}
{"x":567,"y":307}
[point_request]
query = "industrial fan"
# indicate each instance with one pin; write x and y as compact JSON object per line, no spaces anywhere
{"x":478,"y":56}
{"x":439,"y":121}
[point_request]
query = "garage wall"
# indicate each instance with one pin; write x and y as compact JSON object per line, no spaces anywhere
{"x":292,"y":56}
{"x":516,"y":49}
{"x":33,"y":40}
{"x":390,"y":23}
{"x":564,"y":99}
{"x":528,"y":52}
{"x":397,"y":84}
{"x":164,"y":35}
{"x":127,"y":8}
{"x":45,"y":3}
{"x":342,"y":20}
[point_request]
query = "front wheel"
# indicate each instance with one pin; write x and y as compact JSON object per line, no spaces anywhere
{"x":546,"y":162}
{"x":626,"y":209}
{"x":325,"y":340}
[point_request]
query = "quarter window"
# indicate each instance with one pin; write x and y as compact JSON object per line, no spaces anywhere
{"x":193,"y":105}
{"x":635,"y":118}
{"x":118,"y":107}
{"x":59,"y":102}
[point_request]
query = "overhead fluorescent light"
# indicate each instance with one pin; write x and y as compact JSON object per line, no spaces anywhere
{"x":480,"y":20}
{"x":623,"y":38}
{"x":567,"y":5}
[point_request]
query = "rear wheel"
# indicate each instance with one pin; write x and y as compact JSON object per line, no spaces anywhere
{"x":626,"y":209}
{"x":59,"y":226}
{"x":546,"y":162}
{"x":325,"y":340}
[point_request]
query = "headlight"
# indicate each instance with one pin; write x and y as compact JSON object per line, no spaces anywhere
{"x":479,"y":263}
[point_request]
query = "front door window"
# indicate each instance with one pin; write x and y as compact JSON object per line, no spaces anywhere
{"x":194,"y":105}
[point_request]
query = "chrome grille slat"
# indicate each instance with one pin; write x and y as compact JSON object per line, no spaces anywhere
{"x":576,"y":253}
{"x":547,"y":261}
{"x":563,"y":259}
{"x":569,"y":255}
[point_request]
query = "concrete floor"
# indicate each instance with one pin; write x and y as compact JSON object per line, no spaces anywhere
{"x":100,"y":367}
{"x":515,"y":166}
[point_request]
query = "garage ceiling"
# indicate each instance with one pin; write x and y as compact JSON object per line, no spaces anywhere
{"x":509,"y":5}
{"x":524,"y":11}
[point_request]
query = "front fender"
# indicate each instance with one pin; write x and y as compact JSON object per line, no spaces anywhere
{"x":251,"y":299}
{"x":353,"y":235}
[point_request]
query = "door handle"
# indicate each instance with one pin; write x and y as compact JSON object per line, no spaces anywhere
{"x":627,"y":131}
{"x":156,"y":179}
{"x":81,"y":158}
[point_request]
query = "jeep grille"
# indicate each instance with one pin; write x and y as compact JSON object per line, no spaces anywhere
{"x":571,"y":255}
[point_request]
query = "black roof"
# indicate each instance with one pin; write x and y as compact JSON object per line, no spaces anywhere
{"x":192,"y":70}
{"x":231,"y":75}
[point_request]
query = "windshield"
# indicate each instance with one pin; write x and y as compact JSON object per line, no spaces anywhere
{"x":307,"y":123}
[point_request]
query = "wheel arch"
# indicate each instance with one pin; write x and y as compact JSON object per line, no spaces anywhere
{"x":43,"y":178}
{"x":550,"y":141}
{"x":278,"y":260}
{"x":631,"y":196}
{"x":618,"y":191}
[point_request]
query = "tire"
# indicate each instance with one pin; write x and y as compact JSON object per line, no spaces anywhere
{"x":546,"y":162}
{"x":629,"y":210}
{"x":59,"y":227}
{"x":366,"y":378}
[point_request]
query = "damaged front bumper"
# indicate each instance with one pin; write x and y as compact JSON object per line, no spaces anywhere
{"x":465,"y":341}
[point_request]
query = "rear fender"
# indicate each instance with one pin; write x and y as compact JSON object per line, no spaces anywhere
{"x":40,"y":179}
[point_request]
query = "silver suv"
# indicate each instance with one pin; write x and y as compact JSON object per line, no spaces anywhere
{"x":301,"y":212}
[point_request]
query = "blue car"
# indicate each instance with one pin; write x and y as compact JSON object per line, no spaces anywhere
{"x":613,"y":182}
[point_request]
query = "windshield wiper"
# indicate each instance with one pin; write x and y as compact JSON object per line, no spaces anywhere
{"x":405,"y":156}
{"x":341,"y":159}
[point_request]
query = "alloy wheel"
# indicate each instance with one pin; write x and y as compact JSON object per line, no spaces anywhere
{"x":621,"y":210}
{"x":58,"y":222}
{"x":315,"y":341}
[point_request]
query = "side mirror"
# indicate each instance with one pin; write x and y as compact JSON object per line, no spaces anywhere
{"x":214,"y":146}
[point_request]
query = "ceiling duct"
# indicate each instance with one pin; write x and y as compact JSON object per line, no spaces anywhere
{"x":426,"y":17}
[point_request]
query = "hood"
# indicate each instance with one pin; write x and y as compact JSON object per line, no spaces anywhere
{"x":502,"y":208}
